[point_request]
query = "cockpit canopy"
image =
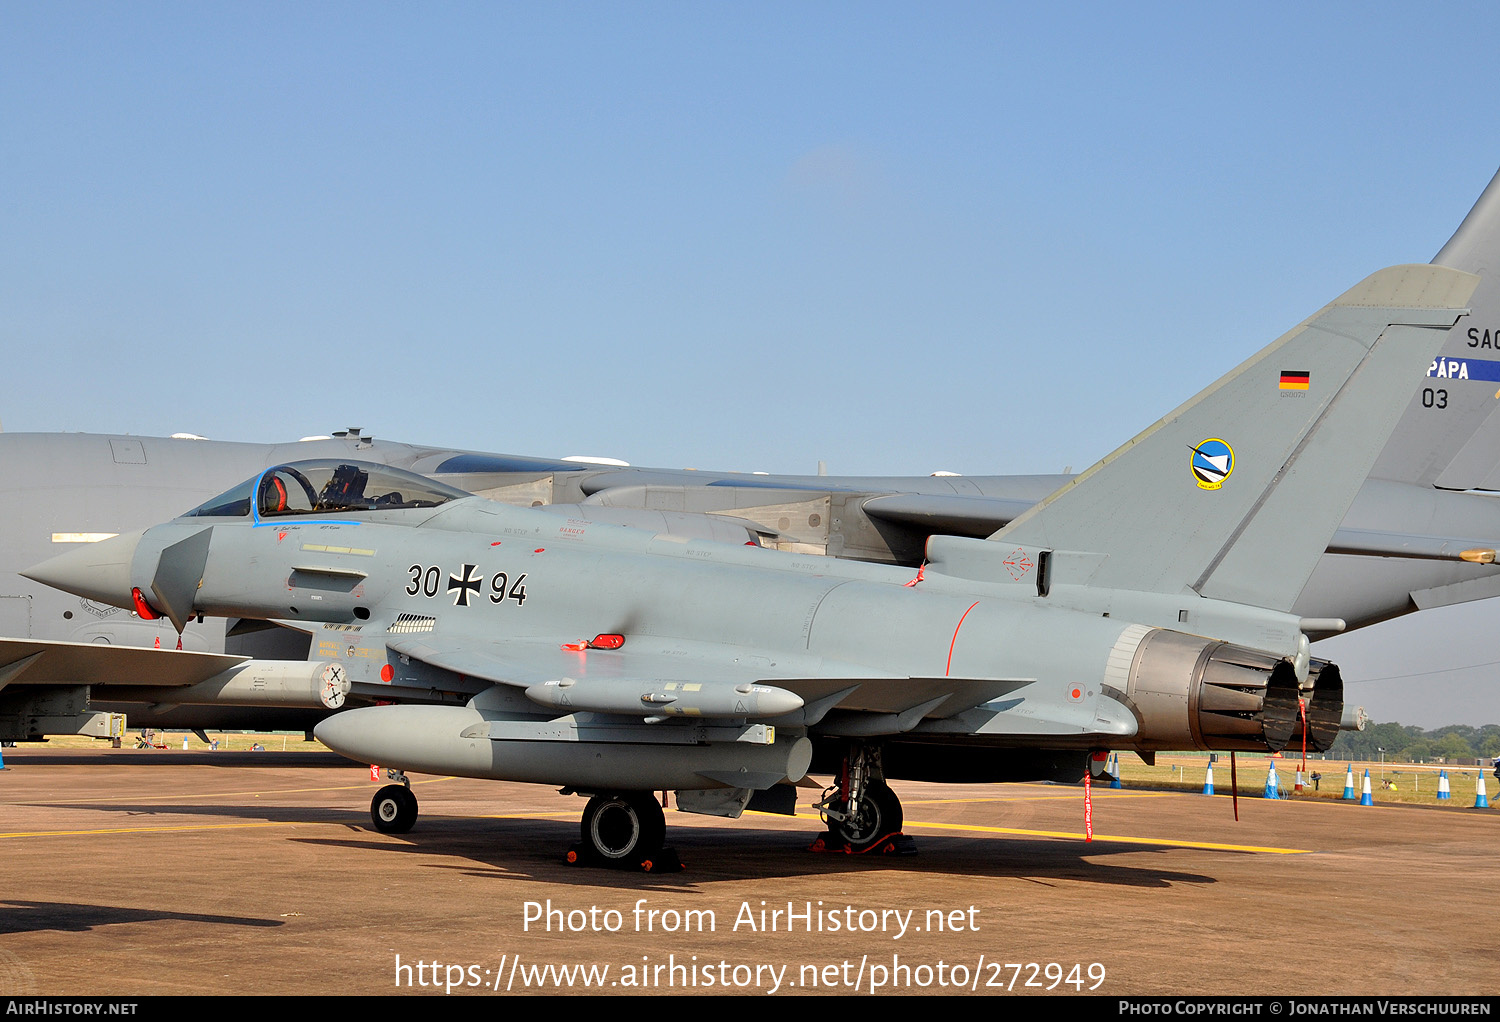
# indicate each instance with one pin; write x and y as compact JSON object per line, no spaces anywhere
{"x":327,"y":487}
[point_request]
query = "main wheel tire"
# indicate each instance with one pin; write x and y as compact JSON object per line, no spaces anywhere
{"x":877,"y":815}
{"x":394,"y":809}
{"x":623,"y":826}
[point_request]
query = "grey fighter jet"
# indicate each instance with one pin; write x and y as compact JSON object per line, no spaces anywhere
{"x":1412,"y":538}
{"x":1145,"y":605}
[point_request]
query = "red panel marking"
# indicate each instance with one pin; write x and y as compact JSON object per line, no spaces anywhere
{"x":497,"y":542}
{"x":144,"y":609}
{"x":949,"y":669}
{"x":387,"y":673}
{"x":1018,"y":564}
{"x":539,"y":549}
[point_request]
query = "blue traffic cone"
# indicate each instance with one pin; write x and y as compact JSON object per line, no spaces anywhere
{"x":1208,"y":781}
{"x":1444,"y":792}
{"x":1349,"y":783}
{"x":2,"y":758}
{"x":1114,"y":772}
{"x":1366,"y":799}
{"x":1480,"y":800}
{"x":1273,"y":790}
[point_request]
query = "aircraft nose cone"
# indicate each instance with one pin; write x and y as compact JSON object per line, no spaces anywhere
{"x":96,"y":571}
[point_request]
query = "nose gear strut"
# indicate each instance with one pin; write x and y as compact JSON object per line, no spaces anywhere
{"x":863,"y":814}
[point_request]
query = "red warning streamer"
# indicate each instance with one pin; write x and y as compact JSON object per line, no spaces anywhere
{"x":1088,"y":806}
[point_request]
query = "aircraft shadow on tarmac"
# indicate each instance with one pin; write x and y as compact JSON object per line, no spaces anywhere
{"x":268,"y":813}
{"x":31,"y":916}
{"x":532,"y":850}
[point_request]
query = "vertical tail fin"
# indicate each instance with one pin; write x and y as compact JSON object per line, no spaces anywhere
{"x":1449,"y":436}
{"x":1236,"y":493}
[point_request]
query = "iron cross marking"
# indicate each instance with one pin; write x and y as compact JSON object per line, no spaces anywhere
{"x":462,"y":587}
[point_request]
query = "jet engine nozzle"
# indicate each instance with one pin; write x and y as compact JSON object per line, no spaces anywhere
{"x":1195,"y":693}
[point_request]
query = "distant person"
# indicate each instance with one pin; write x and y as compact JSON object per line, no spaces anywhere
{"x":1316,"y":777}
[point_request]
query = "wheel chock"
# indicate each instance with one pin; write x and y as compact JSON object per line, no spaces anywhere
{"x":664,"y":861}
{"x":892,"y":844}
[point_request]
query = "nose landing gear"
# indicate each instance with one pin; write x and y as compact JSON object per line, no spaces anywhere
{"x":862,"y":812}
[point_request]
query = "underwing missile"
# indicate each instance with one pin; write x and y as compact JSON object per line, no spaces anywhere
{"x":664,"y":698}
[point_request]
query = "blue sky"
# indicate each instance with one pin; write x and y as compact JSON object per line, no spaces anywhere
{"x":984,"y":238}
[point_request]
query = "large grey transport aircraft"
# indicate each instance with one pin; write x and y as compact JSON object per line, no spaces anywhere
{"x":1412,"y":539}
{"x":614,"y":662}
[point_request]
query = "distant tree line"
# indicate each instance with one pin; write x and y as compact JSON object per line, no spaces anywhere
{"x":1455,"y":743}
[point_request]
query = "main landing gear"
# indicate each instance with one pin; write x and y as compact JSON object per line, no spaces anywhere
{"x":862,"y":812}
{"x":394,"y":807}
{"x":624,"y":830}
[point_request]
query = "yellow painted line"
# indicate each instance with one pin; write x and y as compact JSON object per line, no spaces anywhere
{"x":568,"y":813}
{"x":1078,"y":836}
{"x":1045,"y":798}
{"x":1064,"y":835}
{"x":242,"y":826}
{"x":164,"y":830}
{"x":198,"y":794}
{"x":1210,"y":845}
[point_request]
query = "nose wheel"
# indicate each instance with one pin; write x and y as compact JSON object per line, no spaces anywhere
{"x":394,"y":809}
{"x":863,"y":814}
{"x":874,"y":815}
{"x":624,"y":830}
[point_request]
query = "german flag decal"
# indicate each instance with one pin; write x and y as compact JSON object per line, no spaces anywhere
{"x":1292,"y":379}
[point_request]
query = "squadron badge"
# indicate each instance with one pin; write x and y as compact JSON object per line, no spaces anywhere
{"x":1213,"y":461}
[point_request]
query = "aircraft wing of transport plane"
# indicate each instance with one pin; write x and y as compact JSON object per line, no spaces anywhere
{"x":617,"y":662}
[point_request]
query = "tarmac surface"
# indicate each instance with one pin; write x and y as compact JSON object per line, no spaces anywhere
{"x":166,"y":872}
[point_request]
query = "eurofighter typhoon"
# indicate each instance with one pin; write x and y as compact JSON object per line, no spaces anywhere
{"x":1145,"y":605}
